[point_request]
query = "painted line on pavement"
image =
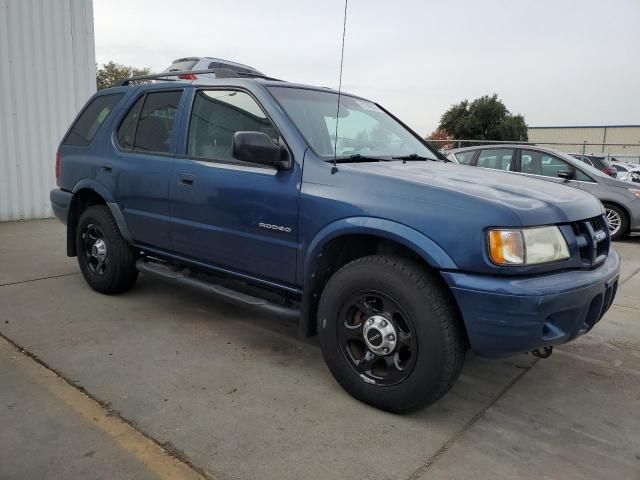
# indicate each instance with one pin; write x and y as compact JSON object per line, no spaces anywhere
{"x":146,"y":450}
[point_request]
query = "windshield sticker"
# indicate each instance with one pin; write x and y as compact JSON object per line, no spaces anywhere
{"x":368,"y":106}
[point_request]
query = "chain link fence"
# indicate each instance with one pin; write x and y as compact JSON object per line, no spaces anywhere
{"x":623,"y":152}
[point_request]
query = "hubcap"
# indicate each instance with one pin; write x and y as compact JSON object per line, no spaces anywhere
{"x":377,"y":338}
{"x":95,"y":249}
{"x":380,"y":335}
{"x":613,"y":221}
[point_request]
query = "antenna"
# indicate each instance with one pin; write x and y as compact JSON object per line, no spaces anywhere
{"x":335,"y":144}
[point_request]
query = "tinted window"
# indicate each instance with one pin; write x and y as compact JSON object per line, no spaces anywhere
{"x":155,"y":125}
{"x":498,"y":158}
{"x":465,"y":157}
{"x":539,"y":163}
{"x":128,"y":126}
{"x":91,"y":118}
{"x":620,"y":168}
{"x":217,"y":115}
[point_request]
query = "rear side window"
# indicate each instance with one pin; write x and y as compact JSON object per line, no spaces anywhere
{"x":148,"y":126}
{"x":217,"y":115}
{"x":498,"y":158}
{"x":465,"y":157}
{"x":90,"y":120}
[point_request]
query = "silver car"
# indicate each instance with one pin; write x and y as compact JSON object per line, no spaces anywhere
{"x":620,"y":199}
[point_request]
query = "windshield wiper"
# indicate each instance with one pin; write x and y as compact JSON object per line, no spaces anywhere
{"x":357,"y":158}
{"x":412,"y":157}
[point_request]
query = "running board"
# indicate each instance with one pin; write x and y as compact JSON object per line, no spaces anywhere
{"x":182,"y":278}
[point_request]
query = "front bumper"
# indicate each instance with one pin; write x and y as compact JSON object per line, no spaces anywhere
{"x":508,"y":315}
{"x":60,"y":201}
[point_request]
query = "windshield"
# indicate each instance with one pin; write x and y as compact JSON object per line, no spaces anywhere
{"x":362,"y":127}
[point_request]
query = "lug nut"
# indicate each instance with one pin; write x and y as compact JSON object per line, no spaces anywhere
{"x":383,"y":323}
{"x":370,"y":321}
{"x":391,"y":338}
{"x":385,"y":350}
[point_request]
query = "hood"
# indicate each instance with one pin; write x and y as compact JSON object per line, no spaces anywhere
{"x":533,"y":201}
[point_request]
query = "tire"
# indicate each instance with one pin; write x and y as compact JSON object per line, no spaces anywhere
{"x":615,"y":213}
{"x":422,"y":366}
{"x":108,"y":267}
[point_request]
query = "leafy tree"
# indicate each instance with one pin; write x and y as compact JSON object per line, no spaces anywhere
{"x":441,"y":136}
{"x":486,"y":118}
{"x":112,"y":72}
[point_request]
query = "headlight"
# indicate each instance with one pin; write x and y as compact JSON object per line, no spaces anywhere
{"x":527,"y":246}
{"x":635,"y":191}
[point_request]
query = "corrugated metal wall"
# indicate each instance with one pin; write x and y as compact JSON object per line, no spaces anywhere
{"x":47,"y":72}
{"x":575,"y":136}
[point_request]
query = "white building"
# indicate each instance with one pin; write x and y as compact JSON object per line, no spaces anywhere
{"x":47,"y":72}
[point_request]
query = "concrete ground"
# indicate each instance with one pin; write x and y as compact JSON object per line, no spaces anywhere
{"x":161,"y":382}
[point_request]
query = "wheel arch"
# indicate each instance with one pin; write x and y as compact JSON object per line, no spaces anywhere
{"x":347,"y":239}
{"x":87,"y":193}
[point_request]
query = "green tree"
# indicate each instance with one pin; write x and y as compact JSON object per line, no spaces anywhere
{"x":486,"y":118}
{"x":110,"y":73}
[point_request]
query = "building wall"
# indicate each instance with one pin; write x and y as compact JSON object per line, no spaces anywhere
{"x":575,"y":136}
{"x":47,"y":72}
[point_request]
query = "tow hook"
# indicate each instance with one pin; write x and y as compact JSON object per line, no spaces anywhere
{"x":545,"y":353}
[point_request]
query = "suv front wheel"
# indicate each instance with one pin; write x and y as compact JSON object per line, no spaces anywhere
{"x":389,"y":333}
{"x":106,"y":260}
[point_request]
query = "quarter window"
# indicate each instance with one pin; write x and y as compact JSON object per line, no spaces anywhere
{"x":91,"y":118}
{"x":465,"y":157}
{"x":216,"y":116}
{"x":583,"y":177}
{"x":497,"y":158}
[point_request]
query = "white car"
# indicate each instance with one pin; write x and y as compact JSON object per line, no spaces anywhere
{"x":628,"y":172}
{"x":208,"y":63}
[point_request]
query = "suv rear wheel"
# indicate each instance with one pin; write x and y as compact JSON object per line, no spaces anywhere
{"x":106,"y":260}
{"x":389,"y":333}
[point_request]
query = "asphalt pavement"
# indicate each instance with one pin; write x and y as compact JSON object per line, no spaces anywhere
{"x":165,"y":383}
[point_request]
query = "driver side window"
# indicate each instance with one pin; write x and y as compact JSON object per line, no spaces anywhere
{"x":216,"y":116}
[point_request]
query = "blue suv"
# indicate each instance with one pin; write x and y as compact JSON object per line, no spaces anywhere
{"x":302,"y":202}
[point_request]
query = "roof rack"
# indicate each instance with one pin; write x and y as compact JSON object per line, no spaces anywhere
{"x":219,"y":72}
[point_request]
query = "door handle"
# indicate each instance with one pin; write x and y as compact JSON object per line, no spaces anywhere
{"x":186,"y":179}
{"x":107,"y":167}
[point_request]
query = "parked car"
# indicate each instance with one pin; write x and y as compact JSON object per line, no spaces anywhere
{"x":399,"y":259}
{"x":599,"y":162}
{"x":208,"y":63}
{"x":627,"y":172}
{"x":620,"y":199}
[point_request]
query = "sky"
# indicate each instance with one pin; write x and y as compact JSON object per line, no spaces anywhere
{"x":557,"y":62}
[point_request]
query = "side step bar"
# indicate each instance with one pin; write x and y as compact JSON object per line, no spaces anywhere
{"x":182,"y":278}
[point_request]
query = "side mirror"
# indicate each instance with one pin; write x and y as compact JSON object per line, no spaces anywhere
{"x":257,"y":147}
{"x":566,"y":174}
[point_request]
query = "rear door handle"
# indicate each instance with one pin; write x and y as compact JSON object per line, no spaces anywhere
{"x":186,"y":179}
{"x":107,"y":167}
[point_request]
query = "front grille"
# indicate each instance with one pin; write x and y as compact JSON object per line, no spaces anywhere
{"x":593,"y":240}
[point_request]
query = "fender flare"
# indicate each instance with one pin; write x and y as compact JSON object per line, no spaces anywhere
{"x":430,"y":251}
{"x":90,"y":184}
{"x":416,"y":241}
